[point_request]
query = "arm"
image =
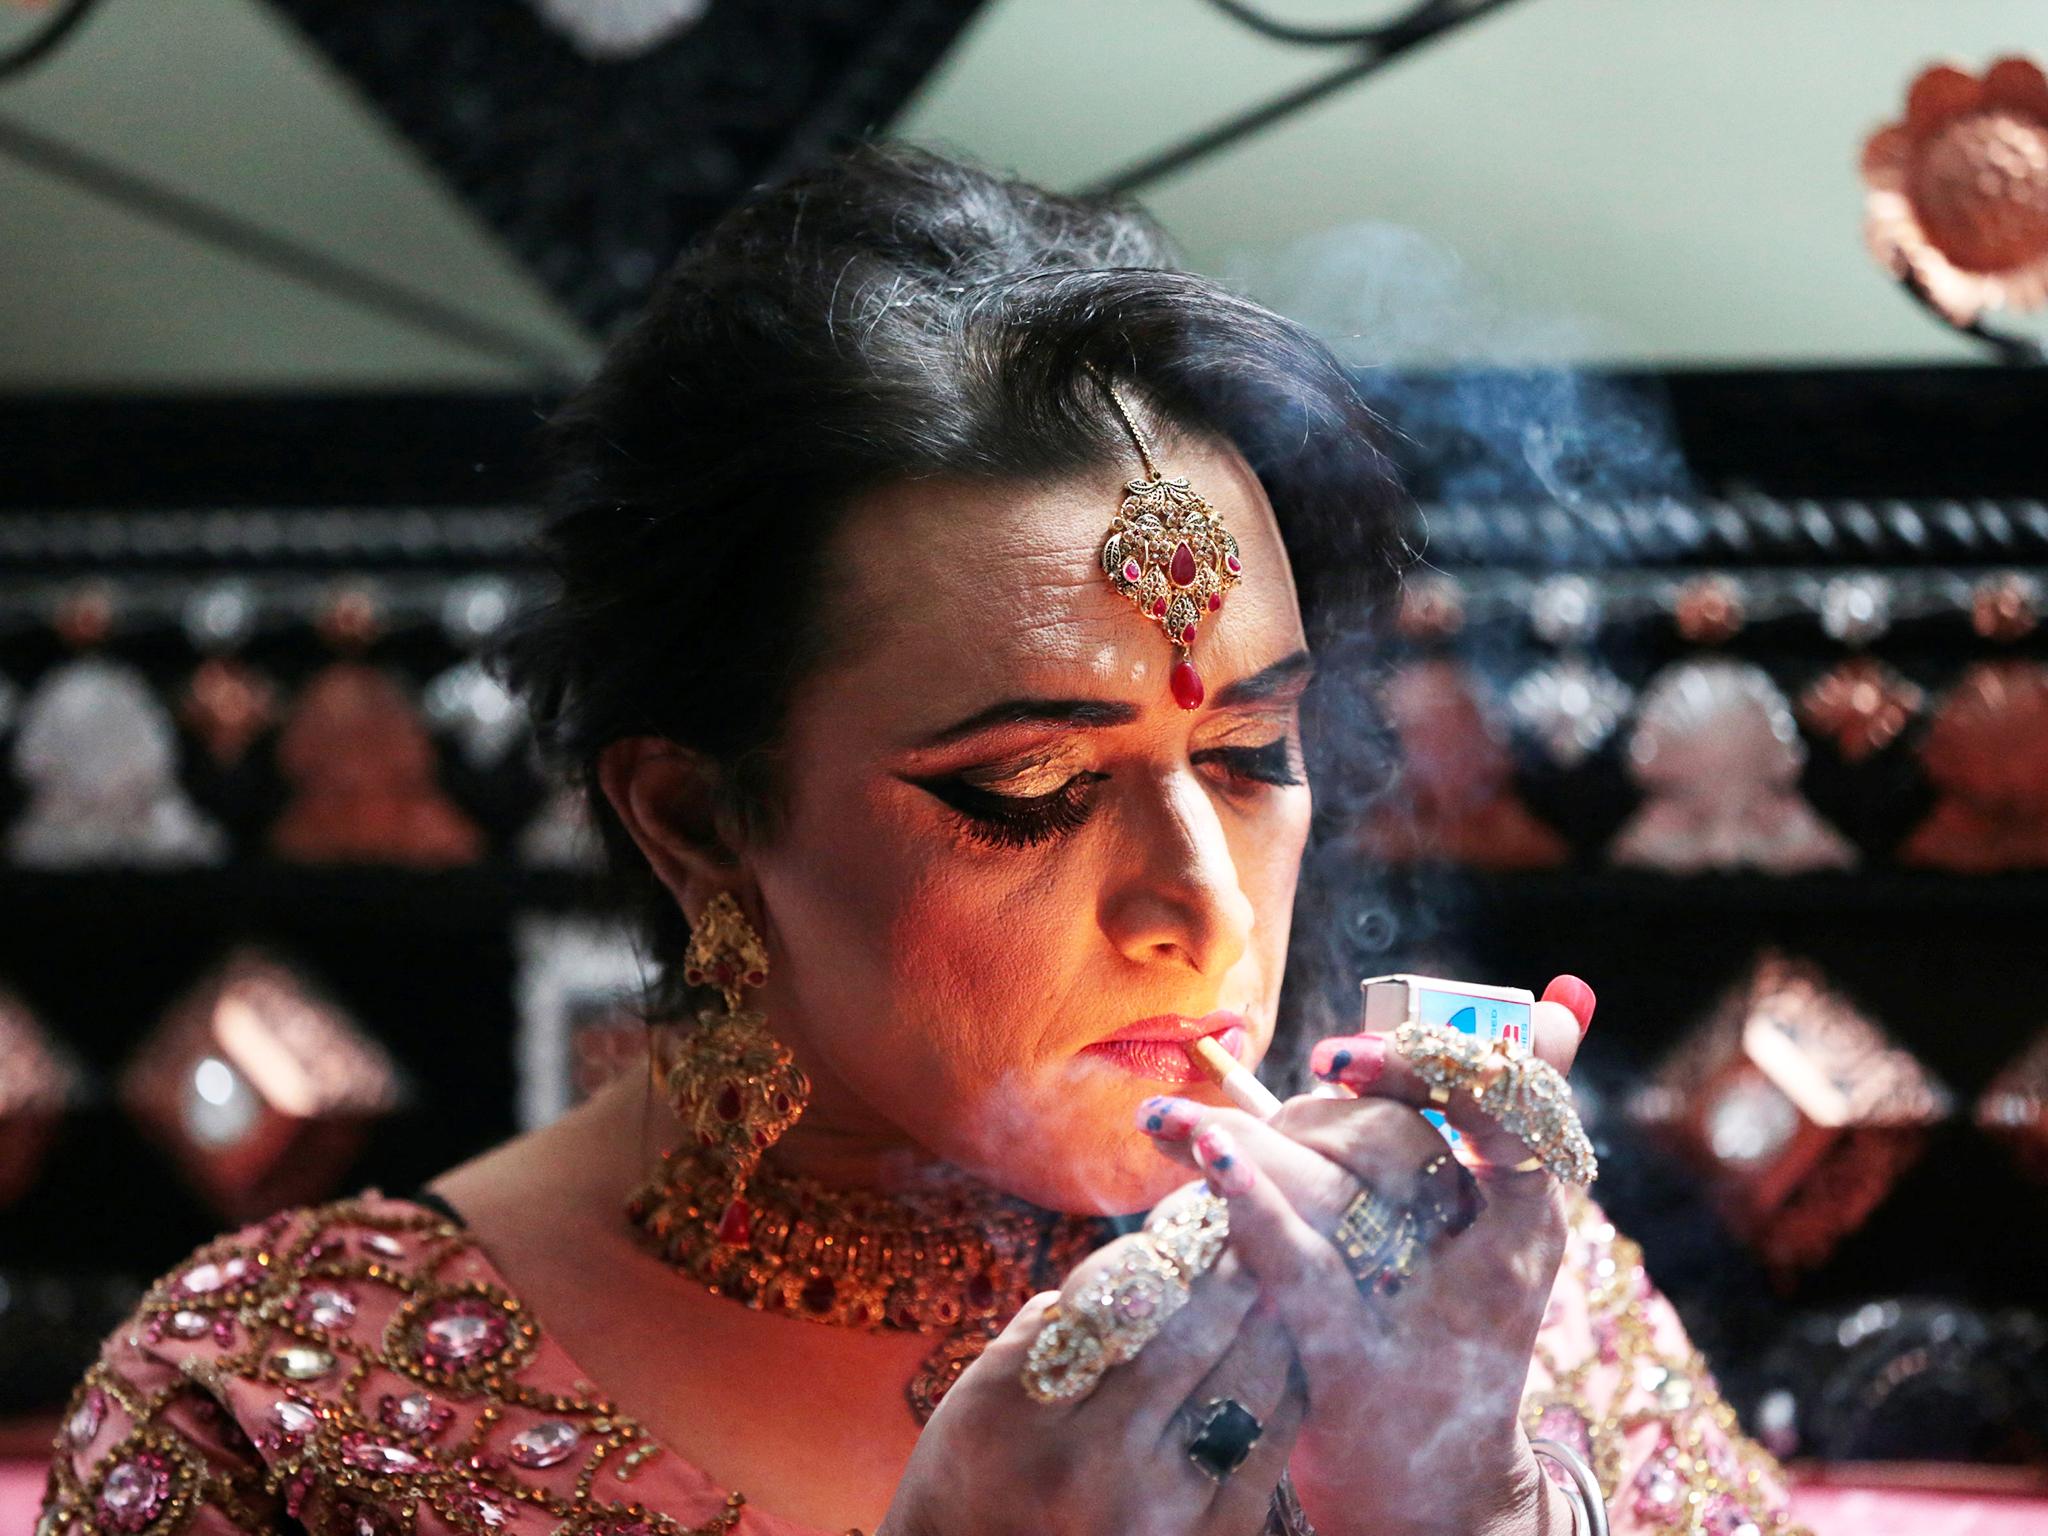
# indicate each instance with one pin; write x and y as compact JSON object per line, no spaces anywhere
{"x":1615,"y":1377}
{"x":144,"y":1447}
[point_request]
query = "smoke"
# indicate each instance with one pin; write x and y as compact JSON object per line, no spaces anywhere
{"x":1486,"y":412}
{"x":1480,"y":388}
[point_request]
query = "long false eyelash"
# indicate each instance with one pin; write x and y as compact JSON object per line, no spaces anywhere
{"x":1024,"y":821}
{"x":1271,"y":763}
{"x":1015,"y":821}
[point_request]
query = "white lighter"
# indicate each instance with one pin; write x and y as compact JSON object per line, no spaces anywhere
{"x":1491,"y":1013}
{"x":1505,"y":1014}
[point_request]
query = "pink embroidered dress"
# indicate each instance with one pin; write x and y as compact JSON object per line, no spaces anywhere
{"x":361,"y":1368}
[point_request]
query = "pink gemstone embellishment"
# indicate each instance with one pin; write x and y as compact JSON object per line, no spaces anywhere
{"x":487,"y":1513}
{"x":360,"y":1519}
{"x":1187,"y":635}
{"x":293,"y":1418}
{"x":1659,"y":1489}
{"x":376,"y":1457}
{"x":414,"y":1414}
{"x":1230,"y":564}
{"x":462,"y":1332}
{"x":1725,"y":1517}
{"x":85,"y":1422}
{"x":1132,"y":571}
{"x":327,"y":1308}
{"x":1181,"y":569}
{"x":1186,"y":684}
{"x":383,"y":1246}
{"x":187,"y":1324}
{"x":135,"y":1492}
{"x":1159,"y":609}
{"x":1136,"y":1305}
{"x":545,"y":1444}
{"x":204,"y":1279}
{"x":1566,"y":1425}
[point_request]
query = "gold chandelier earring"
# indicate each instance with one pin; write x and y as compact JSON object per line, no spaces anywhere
{"x":735,"y":1087}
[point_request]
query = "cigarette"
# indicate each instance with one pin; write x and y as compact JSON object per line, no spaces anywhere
{"x":1239,"y":1086}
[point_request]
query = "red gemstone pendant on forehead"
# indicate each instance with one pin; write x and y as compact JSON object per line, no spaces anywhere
{"x":1169,"y":553}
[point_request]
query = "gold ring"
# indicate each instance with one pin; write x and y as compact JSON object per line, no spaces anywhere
{"x":1368,"y":1232}
{"x":1118,"y":1313}
{"x":1526,"y":1095}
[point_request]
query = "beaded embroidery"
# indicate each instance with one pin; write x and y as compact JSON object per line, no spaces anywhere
{"x":1627,"y":1391}
{"x":321,"y":1413}
{"x":362,"y":1372}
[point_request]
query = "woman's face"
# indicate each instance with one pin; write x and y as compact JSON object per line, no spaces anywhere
{"x":1005,"y":844}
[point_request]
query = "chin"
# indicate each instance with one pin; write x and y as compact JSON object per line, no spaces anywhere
{"x":1092,"y":1163}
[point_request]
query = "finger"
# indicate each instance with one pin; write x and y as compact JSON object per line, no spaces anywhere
{"x":1243,"y":1500}
{"x":1371,"y":1065}
{"x":999,"y":1365}
{"x":1377,"y":1143}
{"x":1558,"y":1024}
{"x":1259,"y":1373}
{"x":1321,"y":1152}
{"x":1145,"y":1391}
{"x":1577,"y":999}
{"x":1297,"y":1269}
{"x":1390,"y":1149}
{"x":1252,"y":1370}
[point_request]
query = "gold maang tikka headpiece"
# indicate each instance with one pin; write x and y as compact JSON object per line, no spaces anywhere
{"x":1169,"y":553}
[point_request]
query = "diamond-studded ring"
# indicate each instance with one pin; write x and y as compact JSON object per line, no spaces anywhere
{"x":1104,"y":1324}
{"x":1526,"y":1095}
{"x":1117,"y":1313}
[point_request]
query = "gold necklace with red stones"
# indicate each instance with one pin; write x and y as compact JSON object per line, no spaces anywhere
{"x":958,"y":1259}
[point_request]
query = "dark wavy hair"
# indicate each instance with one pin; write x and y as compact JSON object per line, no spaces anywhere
{"x":890,"y":315}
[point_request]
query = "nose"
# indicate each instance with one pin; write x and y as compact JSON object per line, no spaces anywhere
{"x":1175,"y":896}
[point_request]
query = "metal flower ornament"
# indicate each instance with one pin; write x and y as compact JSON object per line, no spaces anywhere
{"x":1169,"y":553}
{"x":1956,"y":202}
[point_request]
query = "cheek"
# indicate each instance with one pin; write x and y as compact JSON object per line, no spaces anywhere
{"x":1268,"y":855}
{"x":907,"y":947}
{"x":1269,"y":871}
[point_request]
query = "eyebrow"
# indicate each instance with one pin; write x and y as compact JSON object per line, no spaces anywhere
{"x":1099,"y":714}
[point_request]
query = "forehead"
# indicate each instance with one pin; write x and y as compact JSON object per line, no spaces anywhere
{"x":970,"y":592}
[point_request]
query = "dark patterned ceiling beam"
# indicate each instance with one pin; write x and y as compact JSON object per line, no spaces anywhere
{"x":596,"y":173}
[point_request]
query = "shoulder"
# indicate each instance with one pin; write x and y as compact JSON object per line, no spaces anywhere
{"x":147,"y":1443}
{"x":338,"y":1366}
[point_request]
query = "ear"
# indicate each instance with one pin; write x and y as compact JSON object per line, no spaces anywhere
{"x":666,"y":797}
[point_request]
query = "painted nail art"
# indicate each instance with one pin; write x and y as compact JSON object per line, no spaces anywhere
{"x":1228,"y":1172}
{"x":1575,"y":995}
{"x":1354,"y":1060}
{"x":1169,"y":1118}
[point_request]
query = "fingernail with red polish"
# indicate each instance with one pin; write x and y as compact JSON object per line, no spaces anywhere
{"x":1353,"y":1060}
{"x":1168,"y":1118}
{"x":1228,"y":1172}
{"x":1575,"y":995}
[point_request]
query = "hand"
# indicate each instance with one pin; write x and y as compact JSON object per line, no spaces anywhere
{"x":993,"y":1462}
{"x":1414,"y":1398}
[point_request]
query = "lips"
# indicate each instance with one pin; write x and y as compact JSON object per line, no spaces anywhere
{"x":1156,"y":1048}
{"x":1178,"y":1028}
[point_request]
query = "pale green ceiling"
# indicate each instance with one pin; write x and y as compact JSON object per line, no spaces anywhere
{"x":1606,"y":180}
{"x":219,"y":100}
{"x":1628,"y":180}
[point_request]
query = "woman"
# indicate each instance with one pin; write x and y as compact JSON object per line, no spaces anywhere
{"x":958,"y":797}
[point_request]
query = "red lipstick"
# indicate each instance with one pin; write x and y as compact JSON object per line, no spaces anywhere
{"x":1156,"y":1048}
